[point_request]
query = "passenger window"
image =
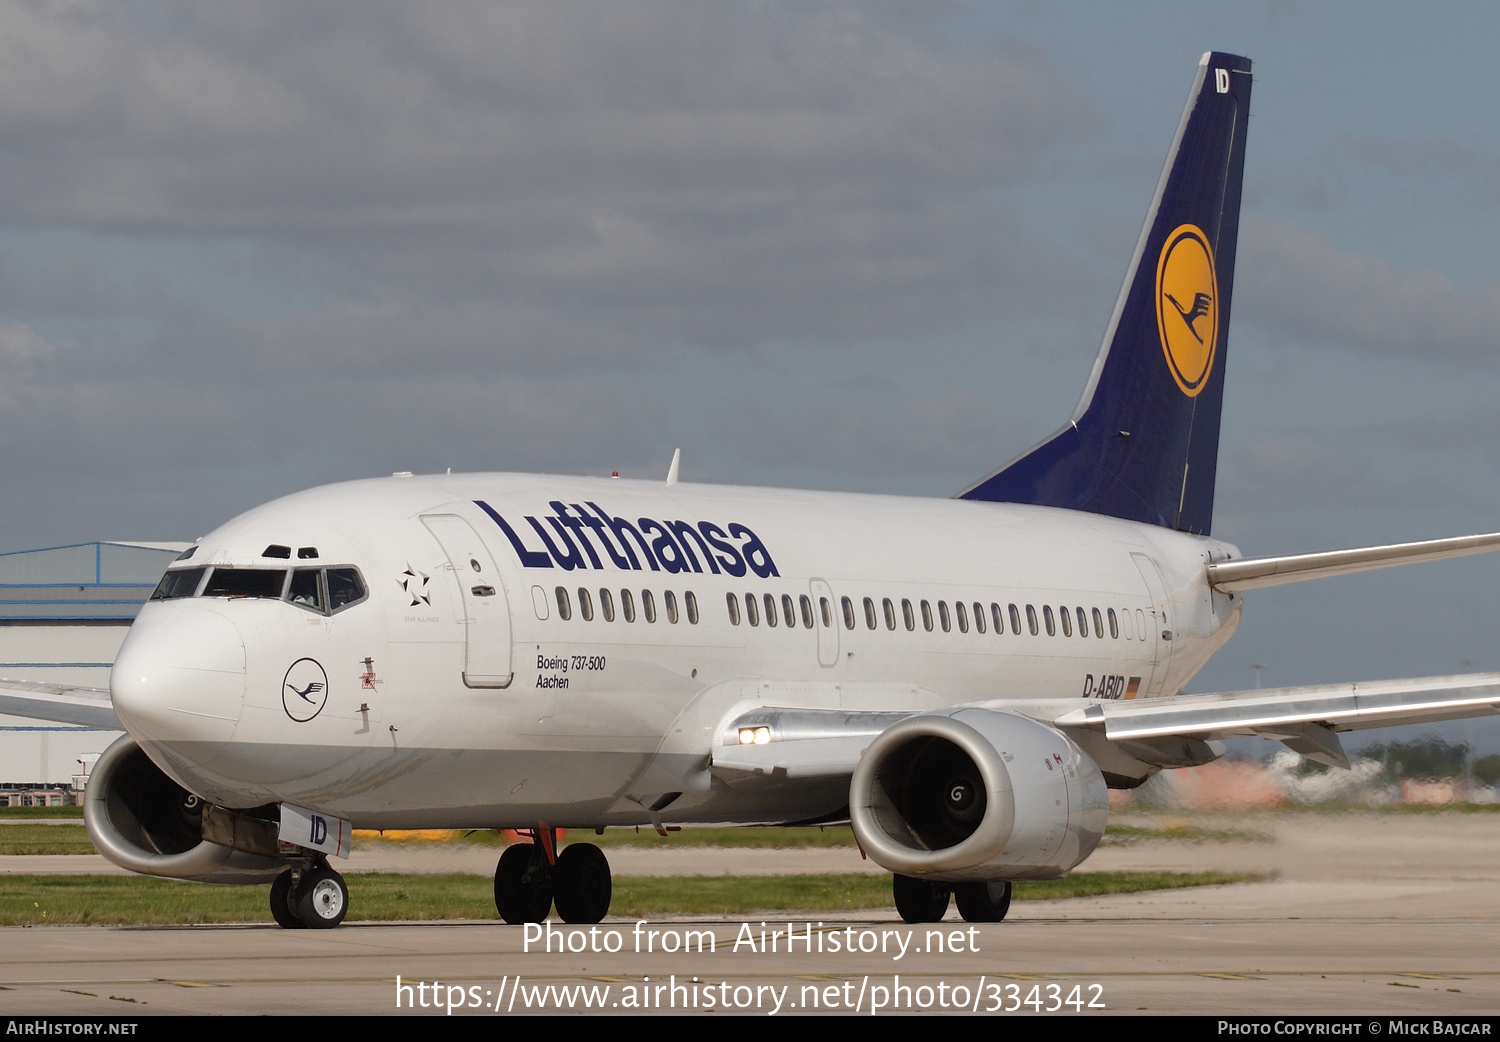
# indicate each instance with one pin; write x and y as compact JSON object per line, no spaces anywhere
{"x":770,"y":610}
{"x":927,"y":616}
{"x":1098,"y":624}
{"x":827,"y":611}
{"x":979,"y":616}
{"x":648,"y":606}
{"x":788,"y":611}
{"x":890,"y":613}
{"x":1114,"y":625}
{"x":869,"y":614}
{"x":564,"y":606}
{"x":1083,"y":623}
{"x":1047,"y":618}
{"x":585,"y":605}
{"x":999,"y":617}
{"x":670,"y":599}
{"x":627,"y":605}
{"x":1031,"y":620}
{"x":306,"y":589}
{"x":848,"y":606}
{"x":907,"y":615}
{"x":807,"y":619}
{"x":1067,"y":621}
{"x":1140,"y":623}
{"x":1015,"y":621}
{"x":963,"y":616}
{"x":692,"y":607}
{"x":752,"y":613}
{"x":734,"y":608}
{"x":943,"y":616}
{"x":607,"y":605}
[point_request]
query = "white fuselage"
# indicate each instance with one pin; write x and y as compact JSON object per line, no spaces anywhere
{"x":613,"y":721}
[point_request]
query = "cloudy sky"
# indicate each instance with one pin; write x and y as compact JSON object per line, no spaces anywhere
{"x":247,"y":248}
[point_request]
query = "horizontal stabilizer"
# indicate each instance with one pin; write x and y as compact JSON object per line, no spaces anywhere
{"x":60,"y":703}
{"x":1305,"y":718}
{"x":1252,"y":573}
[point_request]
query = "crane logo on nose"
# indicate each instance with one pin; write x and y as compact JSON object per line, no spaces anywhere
{"x":304,"y":690}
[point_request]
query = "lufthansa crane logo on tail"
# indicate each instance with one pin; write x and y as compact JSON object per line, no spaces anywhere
{"x":1187,"y":307}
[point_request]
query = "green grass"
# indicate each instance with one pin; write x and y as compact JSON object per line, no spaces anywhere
{"x":41,"y":812}
{"x":1405,"y":808}
{"x":72,"y":839}
{"x":137,"y":900}
{"x":646,"y":837}
{"x":1129,"y":835}
{"x":831,"y":836}
{"x":738,"y":895}
{"x":44,"y":839}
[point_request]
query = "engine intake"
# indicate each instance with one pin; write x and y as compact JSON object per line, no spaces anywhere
{"x":971,"y":794}
{"x":141,"y":819}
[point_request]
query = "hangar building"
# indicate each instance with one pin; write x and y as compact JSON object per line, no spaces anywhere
{"x":64,"y":611}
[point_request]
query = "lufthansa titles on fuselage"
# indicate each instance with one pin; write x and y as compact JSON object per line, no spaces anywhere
{"x":582,"y":531}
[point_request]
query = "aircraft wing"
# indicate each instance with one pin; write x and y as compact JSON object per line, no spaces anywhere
{"x":61,"y":703}
{"x":798,"y":743}
{"x":806,"y":743}
{"x":1305,"y":719}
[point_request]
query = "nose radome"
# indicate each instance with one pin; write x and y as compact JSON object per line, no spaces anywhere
{"x":180,"y":675}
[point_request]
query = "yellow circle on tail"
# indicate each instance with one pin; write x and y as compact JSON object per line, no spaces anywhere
{"x":1187,"y":307}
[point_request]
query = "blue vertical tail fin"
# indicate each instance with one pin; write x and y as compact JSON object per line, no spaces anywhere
{"x":1143,"y":443}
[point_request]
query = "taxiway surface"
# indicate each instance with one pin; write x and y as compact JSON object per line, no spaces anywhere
{"x":1369,"y":914}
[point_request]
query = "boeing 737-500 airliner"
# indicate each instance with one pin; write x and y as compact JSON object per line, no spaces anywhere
{"x":962,"y":680}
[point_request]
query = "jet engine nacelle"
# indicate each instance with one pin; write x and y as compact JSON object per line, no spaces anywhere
{"x":968,"y":794}
{"x":144,"y":821}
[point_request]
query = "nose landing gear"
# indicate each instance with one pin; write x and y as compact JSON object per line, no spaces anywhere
{"x":531,"y":877}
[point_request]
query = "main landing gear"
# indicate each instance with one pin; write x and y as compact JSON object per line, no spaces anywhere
{"x":313,"y":898}
{"x":532,"y":877}
{"x":924,"y":901}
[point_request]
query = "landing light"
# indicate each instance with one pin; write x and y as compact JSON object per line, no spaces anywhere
{"x":755,"y":735}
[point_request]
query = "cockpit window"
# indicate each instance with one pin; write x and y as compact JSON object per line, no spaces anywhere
{"x":245,"y":582}
{"x":326,"y":590}
{"x":306,"y":590}
{"x":321,"y":590}
{"x":182,"y":582}
{"x":345,"y":587}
